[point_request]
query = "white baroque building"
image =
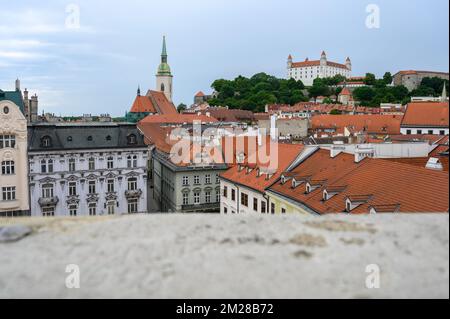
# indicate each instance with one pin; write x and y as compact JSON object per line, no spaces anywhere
{"x":87,"y":169}
{"x":13,"y":159}
{"x":309,"y":70}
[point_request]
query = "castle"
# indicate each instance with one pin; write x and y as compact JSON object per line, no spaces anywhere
{"x":309,"y":70}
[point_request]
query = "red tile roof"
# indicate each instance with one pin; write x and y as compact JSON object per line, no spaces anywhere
{"x":345,"y":91}
{"x":375,"y":182}
{"x":286,"y":155}
{"x":200,"y":94}
{"x":428,"y":114}
{"x":153,"y":102}
{"x":142,"y":104}
{"x":381,"y":124}
{"x":178,"y":119}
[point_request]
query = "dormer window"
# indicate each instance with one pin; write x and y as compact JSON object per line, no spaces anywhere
{"x":89,"y":138}
{"x":108,"y":138}
{"x":348,"y":207}
{"x":131,"y":139}
{"x":69,"y":139}
{"x":308,"y":188}
{"x":46,"y":141}
{"x":325,"y":196}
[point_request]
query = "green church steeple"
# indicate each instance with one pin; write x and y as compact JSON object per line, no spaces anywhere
{"x":164,"y":68}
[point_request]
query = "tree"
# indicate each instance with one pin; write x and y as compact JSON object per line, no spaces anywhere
{"x":364,"y":94}
{"x":369,"y":79}
{"x":181,"y":107}
{"x":387,"y":78}
{"x":335,"y":112}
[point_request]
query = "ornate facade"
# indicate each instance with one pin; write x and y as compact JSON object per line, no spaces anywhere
{"x":87,"y":169}
{"x":13,"y":159}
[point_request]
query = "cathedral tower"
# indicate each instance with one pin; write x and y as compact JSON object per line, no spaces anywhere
{"x":164,"y":76}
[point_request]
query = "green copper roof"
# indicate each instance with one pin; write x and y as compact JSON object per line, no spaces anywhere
{"x":164,"y":68}
{"x":164,"y":50}
{"x":13,"y":96}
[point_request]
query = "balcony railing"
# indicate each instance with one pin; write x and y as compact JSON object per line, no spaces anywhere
{"x":48,"y":201}
{"x":133,"y":193}
{"x":207,"y":207}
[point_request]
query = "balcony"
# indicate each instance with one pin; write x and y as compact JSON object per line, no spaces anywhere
{"x":133,"y":193}
{"x":48,"y":201}
{"x":206,"y":207}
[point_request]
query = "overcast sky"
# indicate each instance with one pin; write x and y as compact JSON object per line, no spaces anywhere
{"x":96,"y":67}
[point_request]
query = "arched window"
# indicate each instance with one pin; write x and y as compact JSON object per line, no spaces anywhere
{"x":162,"y":87}
{"x":132,"y":161}
{"x":131,"y":139}
{"x":91,"y":164}
{"x":46,"y":141}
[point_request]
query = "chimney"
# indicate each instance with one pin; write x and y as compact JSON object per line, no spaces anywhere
{"x":434,"y":163}
{"x":273,"y":127}
{"x":17,"y":85}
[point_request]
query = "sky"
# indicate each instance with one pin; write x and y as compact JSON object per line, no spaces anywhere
{"x":89,"y":56}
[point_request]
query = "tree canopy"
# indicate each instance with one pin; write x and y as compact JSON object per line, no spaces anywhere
{"x":255,"y":92}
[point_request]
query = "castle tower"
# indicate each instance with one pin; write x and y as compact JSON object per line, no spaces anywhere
{"x":348,"y":63}
{"x":323,"y":59}
{"x":444,"y":94}
{"x":164,"y":76}
{"x":289,"y":61}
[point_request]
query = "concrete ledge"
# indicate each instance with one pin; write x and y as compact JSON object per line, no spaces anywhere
{"x":216,"y":256}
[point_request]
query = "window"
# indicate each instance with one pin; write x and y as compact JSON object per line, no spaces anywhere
{"x":72,"y":188}
{"x":73,"y":210}
{"x":91,"y":164}
{"x":89,"y":138}
{"x":71,"y":164}
{"x":263,"y":207}
{"x":46,"y":141}
{"x":255,"y":204}
{"x":283,"y":210}
{"x":47,"y":190}
{"x":196,"y":180}
{"x":430,"y":132}
{"x":7,"y":141}
{"x":441,"y":132}
{"x":69,"y":139}
{"x":225,"y":191}
{"x":233,"y":195}
{"x":133,"y":206}
{"x":8,"y":168}
{"x":110,"y":162}
{"x":91,"y":187}
{"x":6,"y":110}
{"x":197,"y":197}
{"x":111,"y":206}
{"x":225,"y":210}
{"x":217,"y":179}
{"x":132,"y":161}
{"x":207,"y":179}
{"x":218,"y":196}
{"x":408,"y":132}
{"x":108,"y":138}
{"x":48,"y":211}
{"x":244,"y":199}
{"x":208,"y":197}
{"x":131,"y":139}
{"x":348,"y":206}
{"x":185,"y":198}
{"x":272,"y":208}
{"x":46,"y":166}
{"x":92,"y":209}
{"x":9,"y":193}
{"x":419,"y":131}
{"x":110,"y":185}
{"x":132,"y":184}
{"x":185,"y":180}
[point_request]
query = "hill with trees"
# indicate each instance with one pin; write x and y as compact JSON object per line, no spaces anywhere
{"x":254,"y":93}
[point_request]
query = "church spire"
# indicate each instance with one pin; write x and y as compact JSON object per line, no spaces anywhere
{"x":139,"y":90}
{"x":164,"y":51}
